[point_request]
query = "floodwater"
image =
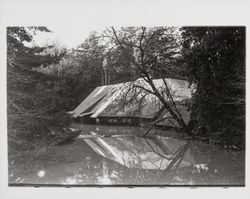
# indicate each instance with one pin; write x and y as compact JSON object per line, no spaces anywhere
{"x":118,"y":155}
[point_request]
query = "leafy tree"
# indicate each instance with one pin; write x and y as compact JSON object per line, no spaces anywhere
{"x":34,"y":121}
{"x":88,"y":66}
{"x":214,"y":59}
{"x":77,"y":73}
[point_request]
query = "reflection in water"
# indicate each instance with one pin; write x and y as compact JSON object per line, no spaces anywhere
{"x":41,"y":174}
{"x":126,"y":159}
{"x":138,"y":152}
{"x":104,"y":178}
{"x":200,"y":167}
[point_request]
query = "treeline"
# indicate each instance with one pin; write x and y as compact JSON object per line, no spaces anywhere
{"x":35,"y":120}
{"x":45,"y":83}
{"x":214,"y":61}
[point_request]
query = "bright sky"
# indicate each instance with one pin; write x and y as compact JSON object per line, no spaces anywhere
{"x":69,"y":37}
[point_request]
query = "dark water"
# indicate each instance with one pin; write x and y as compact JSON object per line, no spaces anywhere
{"x":104,"y":155}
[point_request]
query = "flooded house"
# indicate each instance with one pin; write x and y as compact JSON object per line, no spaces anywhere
{"x":113,"y":118}
{"x":131,"y":104}
{"x":111,"y":151}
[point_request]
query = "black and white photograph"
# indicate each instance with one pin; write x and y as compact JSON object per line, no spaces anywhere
{"x":125,"y":105}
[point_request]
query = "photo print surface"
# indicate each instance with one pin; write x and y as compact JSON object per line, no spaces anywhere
{"x":126,"y":106}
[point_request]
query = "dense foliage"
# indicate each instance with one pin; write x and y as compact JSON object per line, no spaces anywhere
{"x":46,"y":82}
{"x":214,"y":60}
{"x":34,"y":119}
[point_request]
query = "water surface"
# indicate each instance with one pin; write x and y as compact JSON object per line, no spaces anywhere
{"x":118,"y":155}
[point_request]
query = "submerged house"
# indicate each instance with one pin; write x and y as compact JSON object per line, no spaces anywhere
{"x":132,"y":103}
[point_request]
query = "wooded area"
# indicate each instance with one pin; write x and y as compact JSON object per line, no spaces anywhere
{"x":43,"y":83}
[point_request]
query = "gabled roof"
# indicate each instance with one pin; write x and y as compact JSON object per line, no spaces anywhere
{"x":97,"y":94}
{"x":127,"y":100}
{"x":97,"y":100}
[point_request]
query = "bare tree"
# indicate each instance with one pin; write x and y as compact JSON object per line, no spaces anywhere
{"x":150,"y":53}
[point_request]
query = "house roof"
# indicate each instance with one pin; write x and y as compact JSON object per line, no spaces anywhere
{"x":128,"y":100}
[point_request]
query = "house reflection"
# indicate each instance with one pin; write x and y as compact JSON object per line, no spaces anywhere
{"x":124,"y":159}
{"x":138,"y":152}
